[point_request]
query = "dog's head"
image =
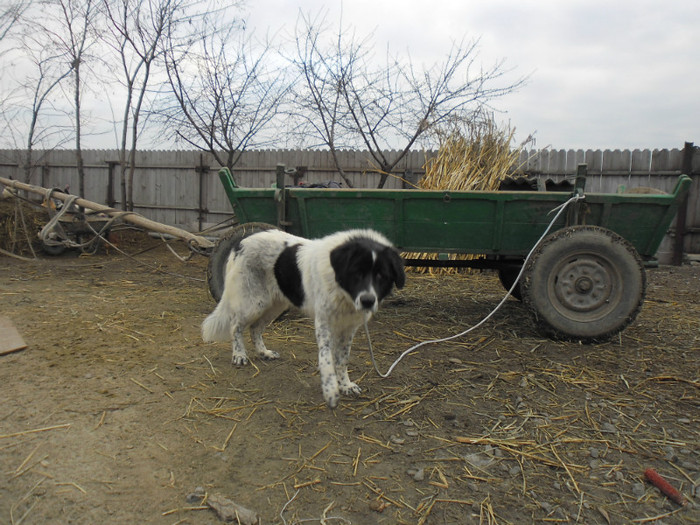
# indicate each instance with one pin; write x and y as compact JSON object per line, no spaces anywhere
{"x":367,"y":270}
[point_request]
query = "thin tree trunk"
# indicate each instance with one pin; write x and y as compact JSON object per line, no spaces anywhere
{"x":78,"y":150}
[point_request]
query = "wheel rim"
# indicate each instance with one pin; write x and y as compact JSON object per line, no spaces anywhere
{"x":582,"y":287}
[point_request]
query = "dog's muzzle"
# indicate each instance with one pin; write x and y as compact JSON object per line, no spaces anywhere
{"x":366,"y":301}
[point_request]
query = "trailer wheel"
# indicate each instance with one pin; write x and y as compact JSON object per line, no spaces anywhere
{"x":219,"y":256}
{"x":508,"y":275}
{"x":53,"y":249}
{"x":584,"y":283}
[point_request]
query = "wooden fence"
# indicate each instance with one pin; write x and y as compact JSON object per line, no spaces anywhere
{"x":181,"y":188}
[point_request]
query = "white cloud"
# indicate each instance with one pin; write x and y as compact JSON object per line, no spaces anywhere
{"x":602,"y":74}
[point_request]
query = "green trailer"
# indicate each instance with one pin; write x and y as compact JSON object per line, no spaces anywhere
{"x":585,"y":280}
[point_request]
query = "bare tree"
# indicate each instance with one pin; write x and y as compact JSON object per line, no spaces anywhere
{"x":28,"y":108}
{"x":319,"y":102}
{"x":10,"y":14}
{"x":137,"y":29}
{"x":68,"y":24}
{"x":49,"y":73}
{"x":225,"y":92}
{"x":346,"y":93}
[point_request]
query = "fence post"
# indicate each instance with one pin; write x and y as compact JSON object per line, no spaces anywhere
{"x":111,"y":201}
{"x":202,"y":210}
{"x":44,"y":175}
{"x":678,"y":243}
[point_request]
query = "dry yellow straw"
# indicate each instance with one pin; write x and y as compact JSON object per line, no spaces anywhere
{"x":476,"y":158}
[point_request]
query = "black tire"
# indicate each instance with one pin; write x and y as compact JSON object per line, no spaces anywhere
{"x":216,"y":268}
{"x":92,"y":242}
{"x":507,"y":276}
{"x":584,"y":283}
{"x":53,"y":249}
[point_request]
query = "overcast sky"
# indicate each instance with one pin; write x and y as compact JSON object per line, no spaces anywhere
{"x":602,"y":73}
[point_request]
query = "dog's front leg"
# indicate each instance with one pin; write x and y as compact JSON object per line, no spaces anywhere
{"x":239,"y":356}
{"x":341,"y":358}
{"x":326,"y":366}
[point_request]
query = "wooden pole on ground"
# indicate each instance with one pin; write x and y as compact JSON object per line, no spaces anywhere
{"x":195,"y":241}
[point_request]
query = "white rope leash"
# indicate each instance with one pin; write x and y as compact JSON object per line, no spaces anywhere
{"x":559,"y":209}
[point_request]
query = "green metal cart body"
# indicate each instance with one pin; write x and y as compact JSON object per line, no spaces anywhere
{"x":503,"y":226}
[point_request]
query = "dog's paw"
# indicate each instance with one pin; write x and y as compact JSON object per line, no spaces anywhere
{"x":269,"y":354}
{"x":239,"y":360}
{"x":350,"y":389}
{"x":332,"y":400}
{"x":331,"y":393}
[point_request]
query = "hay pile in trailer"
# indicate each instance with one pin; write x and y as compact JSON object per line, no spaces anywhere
{"x":477,"y":158}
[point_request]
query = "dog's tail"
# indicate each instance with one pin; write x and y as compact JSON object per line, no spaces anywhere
{"x":216,"y":326}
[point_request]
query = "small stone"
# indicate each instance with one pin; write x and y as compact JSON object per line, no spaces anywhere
{"x":638,"y":489}
{"x":595,"y":463}
{"x":608,"y":427}
{"x":619,"y":476}
{"x":478,"y":460}
{"x":670,"y":454}
{"x":556,"y":485}
{"x":196,"y":496}
{"x":684,"y":420}
{"x":689,"y":465}
{"x":419,"y":475}
{"x":595,"y":453}
{"x":193,"y":498}
{"x":412,"y":433}
{"x":377,"y":505}
{"x":560,"y":515}
{"x":396,"y":440}
{"x":514,"y":471}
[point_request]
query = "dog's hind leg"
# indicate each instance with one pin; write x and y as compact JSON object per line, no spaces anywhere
{"x":341,"y":349}
{"x":258,"y":327}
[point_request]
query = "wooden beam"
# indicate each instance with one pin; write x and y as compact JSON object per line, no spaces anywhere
{"x":193,"y":240}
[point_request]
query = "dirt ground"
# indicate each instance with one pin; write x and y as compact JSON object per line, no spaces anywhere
{"x":117,"y":411}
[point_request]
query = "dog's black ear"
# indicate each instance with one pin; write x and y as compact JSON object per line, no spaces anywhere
{"x":397,"y":267}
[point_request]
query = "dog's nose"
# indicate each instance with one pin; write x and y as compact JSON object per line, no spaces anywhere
{"x":367,"y":301}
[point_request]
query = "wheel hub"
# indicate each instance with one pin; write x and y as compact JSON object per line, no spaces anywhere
{"x":583,"y":285}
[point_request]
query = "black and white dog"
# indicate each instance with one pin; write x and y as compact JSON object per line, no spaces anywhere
{"x":338,"y":281}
